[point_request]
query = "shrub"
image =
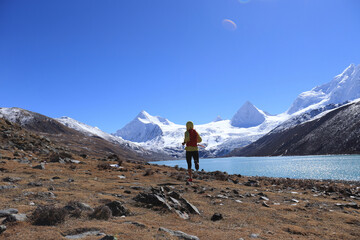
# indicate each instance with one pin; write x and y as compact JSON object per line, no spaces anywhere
{"x":148,"y":172}
{"x":48,"y":216}
{"x":104,"y":166}
{"x":101,"y":213}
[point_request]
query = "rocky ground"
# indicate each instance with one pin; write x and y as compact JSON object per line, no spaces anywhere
{"x":86,"y":197}
{"x":64,"y":190}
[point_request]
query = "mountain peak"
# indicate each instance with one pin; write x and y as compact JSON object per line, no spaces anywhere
{"x":248,"y":116}
{"x":218,"y":118}
{"x":344,"y":87}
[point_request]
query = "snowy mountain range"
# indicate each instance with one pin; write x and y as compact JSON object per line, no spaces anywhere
{"x":247,"y":125}
{"x":147,"y":134}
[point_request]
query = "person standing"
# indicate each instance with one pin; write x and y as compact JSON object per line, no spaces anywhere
{"x":192,"y":138}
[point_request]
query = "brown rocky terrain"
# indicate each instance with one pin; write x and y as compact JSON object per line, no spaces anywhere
{"x":54,"y":191}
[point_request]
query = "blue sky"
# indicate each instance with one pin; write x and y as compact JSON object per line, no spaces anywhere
{"x":102,"y":62}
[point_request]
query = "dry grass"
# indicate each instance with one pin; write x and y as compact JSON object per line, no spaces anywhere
{"x":315,"y":216}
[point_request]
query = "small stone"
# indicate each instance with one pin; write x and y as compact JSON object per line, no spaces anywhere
{"x":136,"y":224}
{"x":3,"y":187}
{"x":15,"y":218}
{"x":35,"y":184}
{"x":264,"y":198}
{"x":294,"y":200}
{"x":265,"y":204}
{"x":2,"y":228}
{"x":11,"y":179}
{"x":108,"y":237}
{"x":7,"y":212}
{"x":40,"y":166}
{"x":179,"y":234}
{"x":216,"y":217}
{"x":253,"y":235}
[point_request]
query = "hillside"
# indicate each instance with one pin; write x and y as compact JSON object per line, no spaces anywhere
{"x":336,"y":131}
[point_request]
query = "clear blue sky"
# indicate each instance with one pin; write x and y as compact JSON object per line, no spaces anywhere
{"x":102,"y":62}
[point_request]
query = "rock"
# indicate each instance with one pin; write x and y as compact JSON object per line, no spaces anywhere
{"x":11,"y":179}
{"x":82,"y":232}
{"x":179,"y":234}
{"x":7,"y":212}
{"x":78,"y":205}
{"x":252,"y":183}
{"x":108,"y":237}
{"x":40,"y":166}
{"x":265,"y":204}
{"x":46,"y":195}
{"x":190,"y":207}
{"x":136,"y":224}
{"x":55,"y":178}
{"x":153,"y":199}
{"x":216,"y":217}
{"x":182,"y":214}
{"x":35,"y":184}
{"x":264,"y":198}
{"x":295,"y":201}
{"x":117,"y":209}
{"x":3,"y":187}
{"x":15,"y":218}
{"x":253,"y":235}
{"x":2,"y":228}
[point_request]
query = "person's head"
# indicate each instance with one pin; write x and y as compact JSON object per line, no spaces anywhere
{"x":189,"y":125}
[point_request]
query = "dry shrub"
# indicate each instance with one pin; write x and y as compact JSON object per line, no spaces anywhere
{"x":101,"y":213}
{"x":48,"y":216}
{"x":113,"y":157}
{"x":104,"y":166}
{"x":148,"y":172}
{"x":295,"y":230}
{"x":221,"y":176}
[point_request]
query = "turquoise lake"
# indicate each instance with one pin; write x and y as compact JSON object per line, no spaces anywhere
{"x":336,"y":167}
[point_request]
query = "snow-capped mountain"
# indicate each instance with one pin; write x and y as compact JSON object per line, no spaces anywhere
{"x":95,"y":131}
{"x":334,"y":131}
{"x":344,"y":87}
{"x":248,"y":124}
{"x":248,"y":116}
{"x":220,"y":137}
{"x":143,"y":128}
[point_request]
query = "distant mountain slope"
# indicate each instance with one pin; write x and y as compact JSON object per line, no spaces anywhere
{"x":77,"y":140}
{"x":336,"y":131}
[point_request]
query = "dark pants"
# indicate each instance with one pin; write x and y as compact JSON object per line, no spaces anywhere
{"x":195,"y":155}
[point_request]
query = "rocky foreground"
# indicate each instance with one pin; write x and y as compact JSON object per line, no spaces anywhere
{"x":66,"y":196}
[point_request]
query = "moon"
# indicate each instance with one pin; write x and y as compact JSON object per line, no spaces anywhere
{"x":229,"y":25}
